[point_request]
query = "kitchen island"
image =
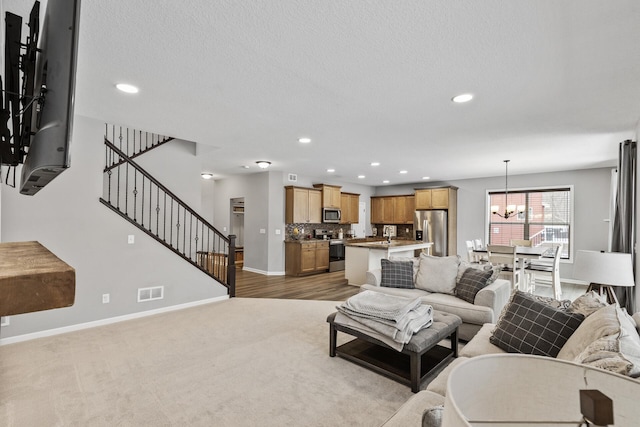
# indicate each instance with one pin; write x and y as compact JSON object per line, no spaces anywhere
{"x":363,"y":256}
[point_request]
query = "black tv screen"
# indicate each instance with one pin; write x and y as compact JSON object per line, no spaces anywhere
{"x":48,"y":154}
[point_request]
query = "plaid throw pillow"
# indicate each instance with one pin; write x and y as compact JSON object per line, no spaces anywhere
{"x":529,"y":326}
{"x":396,"y":274}
{"x":471,"y":282}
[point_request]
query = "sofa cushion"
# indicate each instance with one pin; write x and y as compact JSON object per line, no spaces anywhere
{"x":528,"y":326}
{"x":396,"y":274}
{"x":607,"y":339}
{"x":469,"y":313}
{"x":399,"y":292}
{"x":480,"y":343}
{"x":588,"y":303}
{"x":471,"y":282}
{"x":437,"y":274}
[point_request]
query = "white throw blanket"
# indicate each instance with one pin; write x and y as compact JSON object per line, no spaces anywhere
{"x":390,"y":319}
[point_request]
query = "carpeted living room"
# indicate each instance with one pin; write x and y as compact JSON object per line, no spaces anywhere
{"x":195,"y":197}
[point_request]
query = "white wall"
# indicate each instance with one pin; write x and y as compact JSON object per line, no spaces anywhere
{"x":68,"y":219}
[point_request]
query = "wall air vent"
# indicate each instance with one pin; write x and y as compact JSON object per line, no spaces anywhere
{"x":293,"y":177}
{"x":150,"y":294}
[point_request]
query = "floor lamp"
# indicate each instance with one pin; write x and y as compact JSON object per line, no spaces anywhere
{"x":604,"y":270}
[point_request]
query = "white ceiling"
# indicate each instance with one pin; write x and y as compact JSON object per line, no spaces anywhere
{"x":556,"y":83}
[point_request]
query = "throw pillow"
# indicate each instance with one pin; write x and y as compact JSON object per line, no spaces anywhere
{"x":588,"y":303}
{"x":414,"y":260}
{"x":471,"y":282}
{"x":396,"y":274}
{"x":561,"y":305}
{"x":438,"y":274}
{"x":464,"y":265}
{"x":602,"y":323}
{"x":432,"y":417}
{"x":529,"y":326}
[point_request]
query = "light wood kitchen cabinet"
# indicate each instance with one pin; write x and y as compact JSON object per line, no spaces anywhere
{"x":306,"y":257}
{"x":303,"y":205}
{"x":388,"y":209}
{"x":404,"y":208}
{"x":434,"y":198}
{"x":349,"y":208}
{"x":376,"y":210}
{"x":330,"y":195}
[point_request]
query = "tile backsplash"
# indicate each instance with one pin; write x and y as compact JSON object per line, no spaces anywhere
{"x":308,"y":229}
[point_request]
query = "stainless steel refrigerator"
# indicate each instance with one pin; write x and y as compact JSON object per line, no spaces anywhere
{"x":432,"y":226}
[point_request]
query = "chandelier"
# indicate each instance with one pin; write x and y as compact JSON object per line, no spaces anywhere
{"x":509,"y":210}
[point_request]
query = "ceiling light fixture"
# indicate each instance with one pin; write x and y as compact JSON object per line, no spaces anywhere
{"x":426,"y":177}
{"x":304,"y":140}
{"x":206,"y":175}
{"x":361,"y":177}
{"x":375,"y":163}
{"x":386,"y":181}
{"x":127,"y":88}
{"x":245,"y":166}
{"x":509,"y":210}
{"x":465,"y":97}
{"x":263,"y":164}
{"x":403,"y":172}
{"x":331,"y":170}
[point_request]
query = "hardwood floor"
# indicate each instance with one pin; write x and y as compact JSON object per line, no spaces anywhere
{"x":325,"y":286}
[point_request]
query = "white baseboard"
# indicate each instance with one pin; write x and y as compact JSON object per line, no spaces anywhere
{"x":266,"y":273}
{"x":102,"y":322}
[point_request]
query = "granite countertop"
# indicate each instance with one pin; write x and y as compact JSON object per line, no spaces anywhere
{"x":382,"y":244}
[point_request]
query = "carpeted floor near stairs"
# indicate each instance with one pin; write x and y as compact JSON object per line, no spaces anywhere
{"x":241,"y":362}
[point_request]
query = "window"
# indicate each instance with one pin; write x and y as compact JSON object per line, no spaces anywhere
{"x":546,"y":220}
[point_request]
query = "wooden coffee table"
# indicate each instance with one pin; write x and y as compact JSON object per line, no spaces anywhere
{"x":420,"y":359}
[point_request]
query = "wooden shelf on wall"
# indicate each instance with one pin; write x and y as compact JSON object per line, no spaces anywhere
{"x":33,"y":279}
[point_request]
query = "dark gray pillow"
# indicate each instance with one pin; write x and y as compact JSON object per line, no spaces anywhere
{"x":529,"y":326}
{"x":471,"y":282}
{"x":396,"y":274}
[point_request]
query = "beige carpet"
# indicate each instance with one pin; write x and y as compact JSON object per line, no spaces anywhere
{"x":242,"y":362}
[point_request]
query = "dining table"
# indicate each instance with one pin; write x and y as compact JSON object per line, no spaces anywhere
{"x":523,"y":253}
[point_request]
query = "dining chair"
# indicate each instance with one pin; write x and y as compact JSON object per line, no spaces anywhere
{"x":552,"y":271}
{"x":520,"y":242}
{"x":477,"y":244}
{"x":471,"y":256}
{"x":506,"y":258}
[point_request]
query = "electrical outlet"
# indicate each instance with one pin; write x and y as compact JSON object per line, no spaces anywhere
{"x":131,"y":239}
{"x":105,"y":298}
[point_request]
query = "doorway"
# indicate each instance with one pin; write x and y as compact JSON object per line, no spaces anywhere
{"x":237,"y":227}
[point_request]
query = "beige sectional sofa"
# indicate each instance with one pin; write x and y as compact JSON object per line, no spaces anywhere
{"x":607,"y":338}
{"x":486,"y":306}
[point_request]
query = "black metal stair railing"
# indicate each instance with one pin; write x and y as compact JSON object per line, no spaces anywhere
{"x":138,"y":197}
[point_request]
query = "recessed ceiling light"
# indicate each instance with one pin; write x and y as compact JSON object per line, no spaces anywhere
{"x":465,"y":97}
{"x":263,"y":164}
{"x":127,"y":88}
{"x":425,"y":177}
{"x":375,"y":163}
{"x":361,"y":176}
{"x":304,"y":140}
{"x":206,"y":175}
{"x":331,"y":170}
{"x":245,"y":166}
{"x":403,"y":172}
{"x":386,"y":181}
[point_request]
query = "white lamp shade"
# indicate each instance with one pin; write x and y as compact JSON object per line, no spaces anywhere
{"x":604,"y":268}
{"x":495,"y":208}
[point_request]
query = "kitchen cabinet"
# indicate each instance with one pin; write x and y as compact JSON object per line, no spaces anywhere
{"x":330,"y":195}
{"x":306,"y":257}
{"x":392,"y":209}
{"x":350,"y":208}
{"x":303,"y":205}
{"x":403,"y":211}
{"x":434,"y":198}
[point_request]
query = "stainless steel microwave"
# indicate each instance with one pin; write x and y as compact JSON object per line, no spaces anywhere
{"x":331,"y":215}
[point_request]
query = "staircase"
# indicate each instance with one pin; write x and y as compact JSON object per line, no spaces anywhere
{"x":136,"y":196}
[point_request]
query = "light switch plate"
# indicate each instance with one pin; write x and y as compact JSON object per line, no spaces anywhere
{"x":131,"y":239}
{"x":277,"y":231}
{"x":263,"y":231}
